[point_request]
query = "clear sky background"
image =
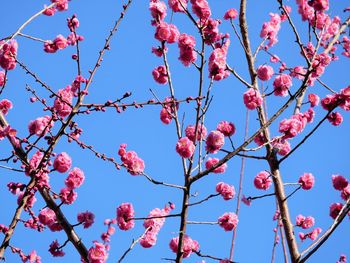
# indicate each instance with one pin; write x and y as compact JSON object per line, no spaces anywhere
{"x":127,"y":67}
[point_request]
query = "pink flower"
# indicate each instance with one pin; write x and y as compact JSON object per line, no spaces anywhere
{"x":54,"y":249}
{"x":313,"y":99}
{"x":97,"y":254}
{"x":166,"y":114}
{"x":319,"y":5}
{"x":68,"y":196}
{"x":339,"y":182}
{"x":217,"y":63}
{"x":185,"y":147}
{"x":40,"y":126}
{"x":2,"y":78}
{"x":47,"y":217}
{"x":307,"y":181}
{"x":63,"y":102}
{"x":215,"y":141}
{"x":329,"y":102}
{"x":158,"y":10}
{"x":178,"y":5}
{"x":188,"y":246}
{"x":8,"y":54}
{"x":298,"y":72}
{"x":167,"y":32}
{"x":186,"y":45}
{"x":5,"y":106}
{"x":149,"y":239}
{"x":226,"y":128}
{"x":252,"y":99}
{"x":86,"y":218}
{"x":134,"y":164}
{"x":315,"y":233}
{"x":282,"y":146}
{"x":230,"y":14}
{"x":201,"y":132}
{"x":75,"y":178}
{"x":345,"y":193}
{"x":265,"y":72}
{"x":270,"y":29}
{"x":228,"y":221}
{"x":211,"y":31}
{"x":335,"y":118}
{"x":49,"y":11}
{"x":125,"y":213}
{"x":281,"y":85}
{"x":160,"y":75}
{"x":60,"y":42}
{"x":293,"y":126}
{"x":225,"y":190}
{"x":201,"y":9}
{"x":334,"y":209}
{"x":305,"y":222}
{"x":62,"y":162}
{"x":213,"y":161}
{"x":262,"y":180}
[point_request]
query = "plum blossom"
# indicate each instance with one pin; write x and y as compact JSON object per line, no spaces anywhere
{"x":186,"y":45}
{"x":334,"y":210}
{"x":54,"y":249}
{"x":167,"y":32}
{"x":231,"y":14}
{"x":213,"y":161}
{"x":339,"y":182}
{"x":225,"y":190}
{"x":158,"y":10}
{"x":211,"y":31}
{"x":270,"y":29}
{"x":312,"y":235}
{"x":98,"y":253}
{"x":282,"y":146}
{"x":201,"y":9}
{"x":63,"y":102}
{"x":48,"y":218}
{"x":305,"y":222}
{"x":160,"y":74}
{"x":307,"y":181}
{"x":201,"y":132}
{"x":125,"y":213}
{"x":335,"y":118}
{"x":62,"y":162}
{"x":217,"y":62}
{"x":252,"y":99}
{"x":5,"y":106}
{"x":75,"y":178}
{"x":313,"y":99}
{"x":189,"y":245}
{"x":68,"y":196}
{"x":86,"y":218}
{"x":2,"y":78}
{"x":8,"y":54}
{"x":228,"y":221}
{"x":166,"y":114}
{"x":263,"y":180}
{"x":185,"y":147}
{"x":281,"y":85}
{"x":265,"y":72}
{"x":214,"y":142}
{"x":40,"y":126}
{"x":134,"y":164}
{"x":178,"y":5}
{"x":226,"y":128}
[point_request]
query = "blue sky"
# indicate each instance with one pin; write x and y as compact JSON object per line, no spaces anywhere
{"x":127,"y":67}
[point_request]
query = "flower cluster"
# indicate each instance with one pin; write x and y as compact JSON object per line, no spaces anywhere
{"x":125,"y":214}
{"x":213,"y":161}
{"x":62,"y":162}
{"x":134,"y":164}
{"x":201,"y":9}
{"x":8,"y":54}
{"x":217,"y":62}
{"x":166,"y":114}
{"x":201,"y":132}
{"x":263,"y":180}
{"x":178,"y":5}
{"x":63,"y":102}
{"x":48,"y":218}
{"x":225,"y":190}
{"x":228,"y":221}
{"x":5,"y":106}
{"x":252,"y":99}
{"x":86,"y":219}
{"x":341,"y":184}
{"x":98,"y":253}
{"x":226,"y":128}
{"x":306,"y":181}
{"x":270,"y":29}
{"x":305,"y":222}
{"x":312,"y":235}
{"x":40,"y":126}
{"x":189,"y":245}
{"x":186,"y":45}
{"x":185,"y":147}
{"x":265,"y":72}
{"x":281,"y":85}
{"x":160,"y":75}
{"x":214,"y":142}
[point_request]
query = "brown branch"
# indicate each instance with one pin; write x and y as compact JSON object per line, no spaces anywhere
{"x":203,"y":200}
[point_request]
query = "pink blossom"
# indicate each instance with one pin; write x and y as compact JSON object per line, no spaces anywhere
{"x":134,"y":164}
{"x":160,"y":75}
{"x":63,"y":102}
{"x":298,"y":72}
{"x":215,"y":141}
{"x":225,"y":190}
{"x":334,"y":209}
{"x":149,"y":239}
{"x":54,"y":249}
{"x":213,"y":161}
{"x":167,"y":32}
{"x":335,"y":118}
{"x":211,"y":31}
{"x":125,"y":213}
{"x":60,"y":42}
{"x":252,"y":99}
{"x":319,"y":5}
{"x":314,"y":234}
{"x":49,"y":11}
{"x":329,"y":102}
{"x":226,"y":128}
{"x":40,"y":126}
{"x":339,"y":182}
{"x":201,"y":9}
{"x":346,"y":46}
{"x":158,"y":51}
{"x":246,"y":200}
{"x":288,"y":10}
{"x":47,"y":217}
{"x":178,"y":5}
{"x":62,"y":162}
{"x":270,"y":29}
{"x":68,"y":196}
{"x":158,"y":10}
{"x":263,"y":180}
{"x":307,"y":181}
{"x":265,"y":72}
{"x":217,"y":63}
{"x":345,"y":193}
{"x":281,"y":85}
{"x":228,"y":221}
{"x":305,"y":222}
{"x":166,"y":114}
{"x":344,"y":98}
{"x":30,"y":201}
{"x":274,"y":59}
{"x":201,"y":132}
{"x":98,"y":253}
{"x":2,"y":78}
{"x":230,"y":14}
{"x":86,"y":218}
{"x":313,"y":99}
{"x":73,"y":23}
{"x":188,"y":246}
{"x":75,"y":178}
{"x":3,"y":229}
{"x":8,"y":54}
{"x":5,"y":106}
{"x":282,"y":146}
{"x":293,"y":126}
{"x":186,"y":45}
{"x":260,"y":139}
{"x":185,"y":147}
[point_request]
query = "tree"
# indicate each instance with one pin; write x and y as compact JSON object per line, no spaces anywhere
{"x":206,"y":148}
